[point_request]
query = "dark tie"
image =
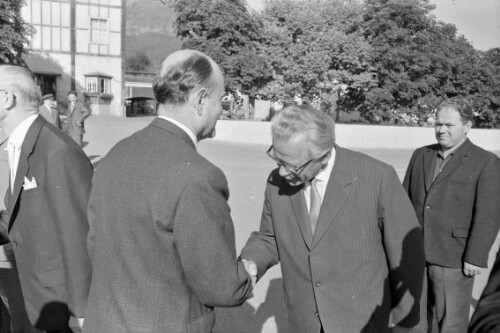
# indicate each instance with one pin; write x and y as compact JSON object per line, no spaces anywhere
{"x":315,"y":205}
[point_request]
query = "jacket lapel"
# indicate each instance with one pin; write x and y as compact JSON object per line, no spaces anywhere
{"x":429,"y":157}
{"x":23,"y":165}
{"x":459,"y":158}
{"x":337,"y":192}
{"x":299,"y":207}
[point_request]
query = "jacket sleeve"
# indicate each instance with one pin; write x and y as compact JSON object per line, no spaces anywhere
{"x":403,"y":244}
{"x":204,"y":236}
{"x":486,"y":317}
{"x":68,"y":183}
{"x":261,"y":246}
{"x":486,"y":219}
{"x":408,"y":175}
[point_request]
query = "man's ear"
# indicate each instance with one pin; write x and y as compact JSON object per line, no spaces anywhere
{"x":200,"y":99}
{"x":9,"y":100}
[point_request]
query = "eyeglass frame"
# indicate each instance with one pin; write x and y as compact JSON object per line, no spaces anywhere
{"x":293,"y":171}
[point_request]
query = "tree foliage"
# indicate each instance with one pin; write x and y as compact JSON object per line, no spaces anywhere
{"x":138,"y":62}
{"x":227,"y":32}
{"x":315,"y":50}
{"x":14,"y":32}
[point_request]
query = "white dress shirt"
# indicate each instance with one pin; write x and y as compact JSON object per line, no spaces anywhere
{"x":15,"y":143}
{"x":182,"y":127}
{"x":322,"y":181}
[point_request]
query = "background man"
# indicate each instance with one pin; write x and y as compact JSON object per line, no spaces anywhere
{"x":455,"y":189}
{"x":343,"y":229}
{"x":77,"y":113}
{"x":51,"y":178}
{"x":10,"y":288}
{"x":48,"y":111}
{"x":161,"y":237}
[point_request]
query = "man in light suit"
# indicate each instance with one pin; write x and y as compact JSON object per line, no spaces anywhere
{"x":161,"y":237}
{"x":47,"y":110}
{"x":77,"y":113}
{"x":455,"y":189}
{"x":50,"y":179}
{"x":343,"y":229}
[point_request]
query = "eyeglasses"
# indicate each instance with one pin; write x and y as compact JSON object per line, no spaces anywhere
{"x":293,"y":171}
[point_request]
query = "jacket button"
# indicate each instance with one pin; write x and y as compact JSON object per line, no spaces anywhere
{"x":427,"y":207}
{"x":316,"y":314}
{"x":317,"y":284}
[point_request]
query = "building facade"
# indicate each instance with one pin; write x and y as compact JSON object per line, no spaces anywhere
{"x":78,"y":45}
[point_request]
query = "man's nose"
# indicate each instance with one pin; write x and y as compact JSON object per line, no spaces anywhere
{"x":283,"y":171}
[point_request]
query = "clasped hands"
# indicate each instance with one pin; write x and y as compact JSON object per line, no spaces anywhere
{"x":251,"y":269}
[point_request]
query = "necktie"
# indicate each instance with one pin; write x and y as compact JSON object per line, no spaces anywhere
{"x":315,"y":205}
{"x":11,"y":150}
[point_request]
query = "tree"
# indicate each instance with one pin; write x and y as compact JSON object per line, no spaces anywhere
{"x":139,"y":62}
{"x":315,"y":50}
{"x":229,"y":34}
{"x":14,"y":32}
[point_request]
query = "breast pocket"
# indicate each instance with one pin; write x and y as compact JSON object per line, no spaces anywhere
{"x":51,"y":278}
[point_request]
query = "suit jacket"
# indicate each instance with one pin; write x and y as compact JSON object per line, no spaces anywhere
{"x":161,"y":238}
{"x":51,"y":115}
{"x":6,"y":254}
{"x":77,"y":116}
{"x":486,"y":317}
{"x":459,"y":211}
{"x":365,"y":258}
{"x":48,"y":226}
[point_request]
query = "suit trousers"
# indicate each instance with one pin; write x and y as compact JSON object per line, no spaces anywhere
{"x":11,"y":294}
{"x":450,"y":294}
{"x":77,"y":136}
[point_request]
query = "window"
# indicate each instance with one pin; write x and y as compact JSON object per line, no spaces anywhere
{"x":98,"y":84}
{"x":99,"y":31}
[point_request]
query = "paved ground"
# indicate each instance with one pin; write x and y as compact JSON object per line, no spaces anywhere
{"x":246,"y":168}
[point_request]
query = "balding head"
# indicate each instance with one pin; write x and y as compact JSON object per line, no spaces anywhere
{"x":181,"y":73}
{"x":19,"y":81}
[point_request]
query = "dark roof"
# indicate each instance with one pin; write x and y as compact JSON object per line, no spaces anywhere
{"x":39,"y":64}
{"x":98,"y":74}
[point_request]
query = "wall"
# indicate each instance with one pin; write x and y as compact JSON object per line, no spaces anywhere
{"x":355,"y":136}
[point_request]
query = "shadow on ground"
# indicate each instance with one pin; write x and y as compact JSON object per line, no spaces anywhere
{"x":247,"y":319}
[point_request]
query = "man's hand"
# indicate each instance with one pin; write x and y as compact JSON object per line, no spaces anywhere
{"x":76,"y":323}
{"x":471,"y":270}
{"x":251,"y":269}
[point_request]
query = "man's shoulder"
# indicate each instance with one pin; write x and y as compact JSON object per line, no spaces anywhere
{"x":481,"y":153}
{"x":355,"y":158}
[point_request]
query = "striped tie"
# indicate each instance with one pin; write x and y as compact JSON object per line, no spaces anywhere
{"x":315,"y":205}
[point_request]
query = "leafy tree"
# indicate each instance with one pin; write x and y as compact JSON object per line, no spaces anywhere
{"x":316,"y":51}
{"x":139,"y":62}
{"x":13,"y":32}
{"x":228,"y":33}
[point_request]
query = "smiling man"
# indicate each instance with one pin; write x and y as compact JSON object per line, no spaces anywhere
{"x":343,"y":229}
{"x":455,"y":189}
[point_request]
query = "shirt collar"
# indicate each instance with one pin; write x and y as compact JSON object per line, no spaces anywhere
{"x":183,"y":127}
{"x":324,"y":175}
{"x":451,"y":151}
{"x":17,"y":136}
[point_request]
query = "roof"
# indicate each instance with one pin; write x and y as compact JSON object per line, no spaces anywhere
{"x":40,"y":64}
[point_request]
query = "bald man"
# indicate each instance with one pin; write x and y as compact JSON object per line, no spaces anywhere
{"x":50,"y":178}
{"x":161,"y":237}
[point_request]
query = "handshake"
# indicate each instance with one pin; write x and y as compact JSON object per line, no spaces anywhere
{"x":251,"y":269}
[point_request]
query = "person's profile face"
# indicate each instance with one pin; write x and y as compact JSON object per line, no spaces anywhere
{"x":449,"y":128}
{"x":213,"y":107}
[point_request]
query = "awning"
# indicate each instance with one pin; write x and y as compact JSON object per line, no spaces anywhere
{"x":135,"y":92}
{"x":39,"y":64}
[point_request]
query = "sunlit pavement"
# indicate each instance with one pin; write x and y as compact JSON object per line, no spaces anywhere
{"x":246,"y":168}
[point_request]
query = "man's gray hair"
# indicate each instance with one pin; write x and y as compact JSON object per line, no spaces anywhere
{"x":19,"y":81}
{"x":305,"y":119}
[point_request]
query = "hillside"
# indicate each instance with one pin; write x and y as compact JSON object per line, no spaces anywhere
{"x":150,"y":30}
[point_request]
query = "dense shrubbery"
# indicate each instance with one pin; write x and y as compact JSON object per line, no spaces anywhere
{"x":381,"y":58}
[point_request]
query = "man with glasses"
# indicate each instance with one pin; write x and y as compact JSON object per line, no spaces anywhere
{"x":343,"y":229}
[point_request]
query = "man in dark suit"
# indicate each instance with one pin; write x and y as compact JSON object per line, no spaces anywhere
{"x":77,"y":113}
{"x":342,"y":228}
{"x":50,"y":179}
{"x":455,"y":189}
{"x":486,"y":317}
{"x":161,"y":237}
{"x":10,"y":287}
{"x":47,"y":110}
